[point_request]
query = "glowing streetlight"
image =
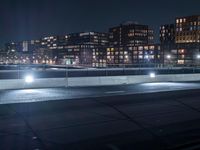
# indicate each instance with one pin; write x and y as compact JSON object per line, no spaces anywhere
{"x":29,"y":79}
{"x":152,"y":75}
{"x":198,"y":56}
{"x":168,"y":56}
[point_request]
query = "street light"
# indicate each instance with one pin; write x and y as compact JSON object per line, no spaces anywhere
{"x":152,"y":75}
{"x":29,"y":79}
{"x":168,"y":56}
{"x":198,"y":56}
{"x":169,"y":59}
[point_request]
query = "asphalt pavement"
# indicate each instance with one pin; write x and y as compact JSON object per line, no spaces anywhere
{"x":48,"y":94}
{"x":143,"y":116}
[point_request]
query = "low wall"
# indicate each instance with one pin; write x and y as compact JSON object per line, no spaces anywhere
{"x":95,"y":81}
{"x":38,"y":83}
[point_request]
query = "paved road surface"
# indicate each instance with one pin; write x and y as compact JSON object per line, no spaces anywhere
{"x":113,"y":122}
{"x":47,"y":94}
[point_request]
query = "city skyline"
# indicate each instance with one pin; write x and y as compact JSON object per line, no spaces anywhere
{"x":128,"y":43}
{"x":25,"y":20}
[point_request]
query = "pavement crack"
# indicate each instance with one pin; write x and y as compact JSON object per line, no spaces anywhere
{"x":29,"y":127}
{"x":189,"y":106}
{"x":158,"y":138}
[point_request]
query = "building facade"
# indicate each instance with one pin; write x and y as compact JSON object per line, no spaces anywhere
{"x":181,"y":46}
{"x":129,"y":44}
{"x":93,"y":49}
{"x":167,"y":34}
{"x":130,"y":34}
{"x":188,"y":29}
{"x":85,"y":48}
{"x":168,"y":44}
{"x":136,"y":56}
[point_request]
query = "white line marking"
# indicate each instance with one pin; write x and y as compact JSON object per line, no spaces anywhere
{"x":114,"y":92}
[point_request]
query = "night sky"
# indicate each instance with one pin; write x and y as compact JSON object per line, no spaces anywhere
{"x":32,"y":19}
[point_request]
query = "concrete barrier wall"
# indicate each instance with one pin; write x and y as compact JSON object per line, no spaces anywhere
{"x":116,"y":80}
{"x":38,"y":83}
{"x":95,"y":81}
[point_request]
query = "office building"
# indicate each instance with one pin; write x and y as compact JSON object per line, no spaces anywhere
{"x":135,"y":56}
{"x":85,"y":48}
{"x":188,"y":29}
{"x":167,"y":34}
{"x":130,"y":34}
{"x":182,"y":47}
{"x":168,"y":46}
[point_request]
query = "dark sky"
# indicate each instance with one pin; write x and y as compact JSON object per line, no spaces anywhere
{"x":31,"y":19}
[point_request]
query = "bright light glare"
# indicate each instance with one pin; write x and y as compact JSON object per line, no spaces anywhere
{"x":146,"y":56}
{"x":198,"y":56}
{"x":152,"y":75}
{"x":29,"y":79}
{"x":168,"y":56}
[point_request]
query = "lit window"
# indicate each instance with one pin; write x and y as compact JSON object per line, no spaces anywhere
{"x":181,"y":62}
{"x":140,"y":48}
{"x":140,"y":57}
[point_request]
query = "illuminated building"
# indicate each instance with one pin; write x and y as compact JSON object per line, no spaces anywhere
{"x":188,"y":29}
{"x":168,"y":46}
{"x":187,"y":39}
{"x":181,"y":41}
{"x":167,"y":34}
{"x":130,"y":34}
{"x":85,"y":48}
{"x":143,"y":55}
{"x":124,"y":42}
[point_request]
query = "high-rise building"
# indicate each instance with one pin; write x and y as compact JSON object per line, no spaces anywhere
{"x":130,"y":34}
{"x":84,"y":48}
{"x":119,"y":46}
{"x":167,"y":40}
{"x":167,"y":34}
{"x":92,"y":47}
{"x":188,"y":29}
{"x":123,"y":42}
{"x":187,"y":39}
{"x":180,"y":43}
